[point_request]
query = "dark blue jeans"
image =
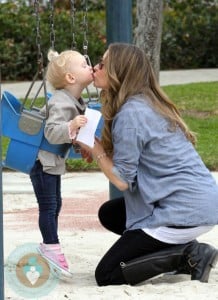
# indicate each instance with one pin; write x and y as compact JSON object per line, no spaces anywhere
{"x":47,"y":189}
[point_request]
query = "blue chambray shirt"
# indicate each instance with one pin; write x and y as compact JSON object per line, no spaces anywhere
{"x":168,"y":184}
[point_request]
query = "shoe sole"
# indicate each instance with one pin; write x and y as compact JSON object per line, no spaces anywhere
{"x":56,"y":270}
{"x":210,"y":264}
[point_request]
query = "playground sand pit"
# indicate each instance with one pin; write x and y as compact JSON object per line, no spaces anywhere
{"x":85,"y":241}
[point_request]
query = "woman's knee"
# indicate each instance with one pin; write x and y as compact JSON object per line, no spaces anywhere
{"x":101,"y":275}
{"x":112,"y":215}
{"x":102,"y":213}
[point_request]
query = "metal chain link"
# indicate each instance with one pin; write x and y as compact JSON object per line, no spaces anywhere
{"x":52,"y":31}
{"x":85,"y":47}
{"x":40,"y":70}
{"x":85,"y":27}
{"x":73,"y":26}
{"x":38,"y":38}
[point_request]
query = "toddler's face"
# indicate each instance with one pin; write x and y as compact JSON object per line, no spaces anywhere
{"x":82,"y":72}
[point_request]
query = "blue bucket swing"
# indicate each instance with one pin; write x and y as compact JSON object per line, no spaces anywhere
{"x":25,"y":129}
{"x":24,"y":126}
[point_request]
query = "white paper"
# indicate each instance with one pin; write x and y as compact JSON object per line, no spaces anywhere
{"x":86,"y":134}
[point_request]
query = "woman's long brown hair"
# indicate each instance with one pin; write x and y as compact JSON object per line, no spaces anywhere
{"x":130,"y":73}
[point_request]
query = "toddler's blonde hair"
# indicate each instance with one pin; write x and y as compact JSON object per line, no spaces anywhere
{"x":58,"y":67}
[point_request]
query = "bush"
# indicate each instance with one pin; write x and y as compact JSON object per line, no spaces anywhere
{"x":16,"y":46}
{"x":189,"y":38}
{"x":19,"y":43}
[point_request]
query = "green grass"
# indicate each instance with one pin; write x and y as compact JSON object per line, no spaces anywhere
{"x":207,"y":139}
{"x":198,"y":103}
{"x":198,"y":97}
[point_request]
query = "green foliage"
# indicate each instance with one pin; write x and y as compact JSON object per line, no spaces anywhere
{"x":18,"y":45}
{"x":80,"y":165}
{"x":189,"y":38}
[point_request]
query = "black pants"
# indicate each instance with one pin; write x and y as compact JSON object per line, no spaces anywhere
{"x":132,"y":244}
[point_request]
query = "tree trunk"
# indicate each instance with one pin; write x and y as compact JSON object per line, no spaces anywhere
{"x":149,"y":30}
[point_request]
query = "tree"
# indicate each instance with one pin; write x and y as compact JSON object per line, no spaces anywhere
{"x":149,"y":30}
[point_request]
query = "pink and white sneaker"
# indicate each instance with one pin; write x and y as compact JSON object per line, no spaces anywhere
{"x":52,"y":253}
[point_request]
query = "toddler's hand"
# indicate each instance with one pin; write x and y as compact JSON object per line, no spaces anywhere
{"x":78,"y":121}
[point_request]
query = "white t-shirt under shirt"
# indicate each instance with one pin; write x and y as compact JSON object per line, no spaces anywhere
{"x":177,"y":236}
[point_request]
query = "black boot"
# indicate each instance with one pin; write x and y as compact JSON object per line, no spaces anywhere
{"x":200,"y":259}
{"x":148,"y":266}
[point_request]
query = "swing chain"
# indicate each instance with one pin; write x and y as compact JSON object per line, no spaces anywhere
{"x":40,"y":71}
{"x":73,"y":27}
{"x":38,"y":38}
{"x":85,"y":48}
{"x":52,"y":31}
{"x":85,"y":27}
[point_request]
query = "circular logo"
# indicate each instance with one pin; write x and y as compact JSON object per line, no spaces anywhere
{"x":28,"y":274}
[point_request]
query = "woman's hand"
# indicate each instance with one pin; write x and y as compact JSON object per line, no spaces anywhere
{"x":105,"y":163}
{"x":86,"y":155}
{"x":98,"y":148}
{"x":93,"y":152}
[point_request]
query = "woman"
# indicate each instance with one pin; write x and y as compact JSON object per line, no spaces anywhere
{"x":146,"y":151}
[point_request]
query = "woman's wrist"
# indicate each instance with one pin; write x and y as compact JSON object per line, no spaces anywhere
{"x":100,"y":156}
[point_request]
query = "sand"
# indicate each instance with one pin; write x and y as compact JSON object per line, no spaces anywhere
{"x":84,"y":242}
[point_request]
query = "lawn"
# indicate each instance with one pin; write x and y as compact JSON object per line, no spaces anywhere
{"x":198,"y":103}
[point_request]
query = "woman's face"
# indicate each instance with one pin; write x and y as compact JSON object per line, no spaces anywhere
{"x":100,"y":76}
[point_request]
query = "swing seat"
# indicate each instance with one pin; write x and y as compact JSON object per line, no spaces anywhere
{"x":23,"y":148}
{"x":24,"y":142}
{"x":26,"y":133}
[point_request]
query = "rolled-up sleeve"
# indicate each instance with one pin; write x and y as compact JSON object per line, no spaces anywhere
{"x":128,"y":142}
